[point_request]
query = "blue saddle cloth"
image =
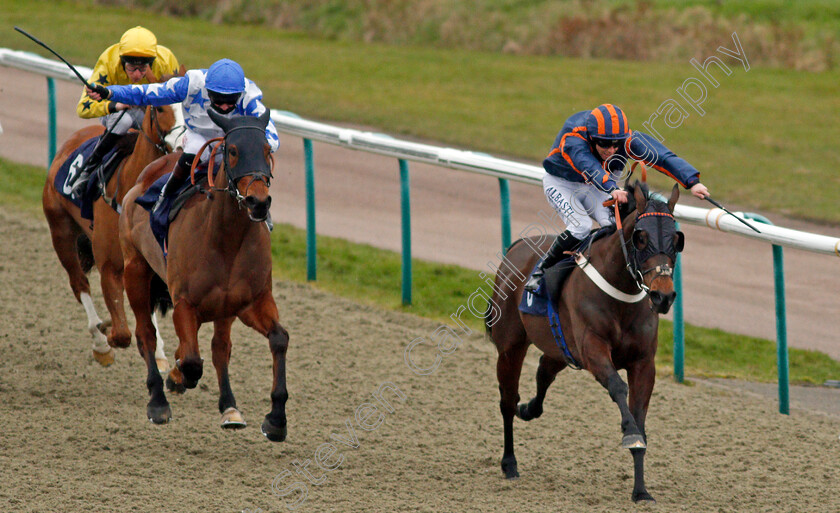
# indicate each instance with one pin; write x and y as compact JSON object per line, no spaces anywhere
{"x":536,"y":303}
{"x":159,"y":219}
{"x":68,"y":171}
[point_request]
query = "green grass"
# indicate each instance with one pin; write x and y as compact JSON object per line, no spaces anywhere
{"x":373,"y":276}
{"x":765,"y":142}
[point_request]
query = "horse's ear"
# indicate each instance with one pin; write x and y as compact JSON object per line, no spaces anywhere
{"x":679,"y":241}
{"x":220,"y":120}
{"x":675,"y":195}
{"x":264,"y":117}
{"x":639,"y":195}
{"x":150,"y":76}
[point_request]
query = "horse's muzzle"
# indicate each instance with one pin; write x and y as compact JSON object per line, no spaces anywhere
{"x":257,"y":209}
{"x":662,"y":302}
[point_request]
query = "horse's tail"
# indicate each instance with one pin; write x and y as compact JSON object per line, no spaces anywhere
{"x":159,"y":295}
{"x":84,"y":249}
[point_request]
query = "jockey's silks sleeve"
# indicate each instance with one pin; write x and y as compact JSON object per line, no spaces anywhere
{"x":653,"y":153}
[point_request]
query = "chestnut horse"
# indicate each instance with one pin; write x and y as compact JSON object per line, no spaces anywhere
{"x":76,"y":240}
{"x":218,"y":268}
{"x":606,"y":327}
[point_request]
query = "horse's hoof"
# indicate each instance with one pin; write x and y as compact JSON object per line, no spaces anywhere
{"x":633,"y":442}
{"x":643,"y":497}
{"x":162,"y":365}
{"x":272,"y":432}
{"x":175,"y":388}
{"x":159,"y":414}
{"x":105,"y":359}
{"x":232,"y":419}
{"x":510,"y":469}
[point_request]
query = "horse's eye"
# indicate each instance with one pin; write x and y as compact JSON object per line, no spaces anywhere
{"x":159,"y":110}
{"x":233,"y":151}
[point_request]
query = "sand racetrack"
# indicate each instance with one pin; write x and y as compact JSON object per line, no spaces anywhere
{"x":75,"y":437}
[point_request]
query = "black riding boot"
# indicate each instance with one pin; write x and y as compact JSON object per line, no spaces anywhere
{"x":176,"y":179}
{"x":106,"y":142}
{"x":564,"y":242}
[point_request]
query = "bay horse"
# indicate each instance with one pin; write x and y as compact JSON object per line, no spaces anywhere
{"x":602,"y":333}
{"x":218,"y":269}
{"x":79,"y":243}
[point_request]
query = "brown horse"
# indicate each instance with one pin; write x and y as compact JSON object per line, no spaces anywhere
{"x":602,"y":333}
{"x":80,"y":243}
{"x":218,"y":268}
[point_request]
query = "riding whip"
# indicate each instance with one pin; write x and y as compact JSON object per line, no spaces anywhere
{"x":718,"y":205}
{"x":30,"y":36}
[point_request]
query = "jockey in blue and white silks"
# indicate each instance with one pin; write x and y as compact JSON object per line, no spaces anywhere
{"x":222,"y":87}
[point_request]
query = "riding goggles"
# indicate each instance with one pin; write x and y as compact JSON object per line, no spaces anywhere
{"x":608,"y":143}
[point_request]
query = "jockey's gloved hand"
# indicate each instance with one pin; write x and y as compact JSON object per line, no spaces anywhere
{"x":101,"y":91}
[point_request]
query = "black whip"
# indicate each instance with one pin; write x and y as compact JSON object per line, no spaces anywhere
{"x":30,"y":36}
{"x":718,"y":205}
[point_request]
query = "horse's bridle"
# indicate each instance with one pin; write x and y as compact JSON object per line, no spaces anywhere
{"x":633,"y":266}
{"x":261,"y":176}
{"x":161,"y":135}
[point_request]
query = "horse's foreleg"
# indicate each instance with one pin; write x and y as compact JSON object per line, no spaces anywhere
{"x":641,"y":377}
{"x":111,"y":280}
{"x":188,"y":359}
{"x":109,"y":261}
{"x":262,"y":316}
{"x":138,"y":276}
{"x":546,"y":373}
{"x":508,"y":370}
{"x":598,"y":361}
{"x":221,"y":345}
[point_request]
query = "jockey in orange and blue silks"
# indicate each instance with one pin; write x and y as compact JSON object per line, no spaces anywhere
{"x":588,"y":155}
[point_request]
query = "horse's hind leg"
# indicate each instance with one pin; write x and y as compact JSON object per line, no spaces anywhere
{"x":262,"y":316}
{"x":508,"y":370}
{"x":65,"y":232}
{"x":138,"y":277}
{"x":160,"y":356}
{"x":641,"y":376}
{"x":546,"y":373}
{"x":221,"y":345}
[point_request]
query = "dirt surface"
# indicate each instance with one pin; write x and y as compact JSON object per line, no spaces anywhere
{"x":75,"y":436}
{"x":728,"y":280}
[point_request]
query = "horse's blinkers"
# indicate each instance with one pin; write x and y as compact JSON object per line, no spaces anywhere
{"x":656,"y":233}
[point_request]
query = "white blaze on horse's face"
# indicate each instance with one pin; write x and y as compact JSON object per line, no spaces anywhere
{"x":174,"y":139}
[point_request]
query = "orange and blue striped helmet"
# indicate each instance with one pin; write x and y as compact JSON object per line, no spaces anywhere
{"x":607,"y":122}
